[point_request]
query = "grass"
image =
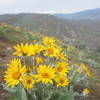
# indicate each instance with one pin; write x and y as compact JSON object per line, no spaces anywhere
{"x":13,"y":34}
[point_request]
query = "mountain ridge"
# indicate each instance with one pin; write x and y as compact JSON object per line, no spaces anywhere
{"x":92,"y":14}
{"x":76,"y":31}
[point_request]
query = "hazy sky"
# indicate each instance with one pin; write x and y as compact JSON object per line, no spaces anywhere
{"x":46,"y":6}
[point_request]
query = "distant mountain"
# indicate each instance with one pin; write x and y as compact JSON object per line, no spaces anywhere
{"x":93,"y":14}
{"x":70,"y":30}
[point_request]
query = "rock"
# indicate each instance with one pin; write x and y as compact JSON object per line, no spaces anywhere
{"x":9,"y":48}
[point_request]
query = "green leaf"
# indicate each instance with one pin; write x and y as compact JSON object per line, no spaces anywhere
{"x":56,"y":97}
{"x":9,"y":89}
{"x":70,"y":96}
{"x":24,"y":95}
{"x":31,"y":95}
{"x":21,"y":93}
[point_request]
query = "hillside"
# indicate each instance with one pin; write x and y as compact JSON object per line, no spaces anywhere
{"x":11,"y":35}
{"x":93,"y":14}
{"x":84,"y":32}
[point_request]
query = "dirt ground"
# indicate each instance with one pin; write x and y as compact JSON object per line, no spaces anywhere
{"x":5,"y":56}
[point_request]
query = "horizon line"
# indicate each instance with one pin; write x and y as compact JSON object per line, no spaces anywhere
{"x":50,"y":12}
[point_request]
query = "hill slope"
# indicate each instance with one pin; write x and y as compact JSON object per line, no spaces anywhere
{"x":93,"y":14}
{"x":76,"y":55}
{"x":73,"y":31}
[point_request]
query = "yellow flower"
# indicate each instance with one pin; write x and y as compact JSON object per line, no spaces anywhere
{"x":62,"y":81}
{"x":86,"y":92}
{"x":51,"y":52}
{"x":14,"y":62}
{"x":22,"y":49}
{"x":89,"y":74}
{"x":62,"y":68}
{"x":87,"y":70}
{"x":34,"y":40}
{"x":61,"y":56}
{"x":36,"y":49}
{"x":45,"y":74}
{"x":84,"y":67}
{"x":14,"y":72}
{"x":70,"y":48}
{"x":28,"y":70}
{"x":78,"y":70}
{"x":28,"y":81}
{"x":57,"y":47}
{"x":39,"y":60}
{"x":48,"y":41}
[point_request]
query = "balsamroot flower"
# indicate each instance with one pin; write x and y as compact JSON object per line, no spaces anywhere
{"x":39,"y":60}
{"x":62,"y":68}
{"x":86,"y":92}
{"x":36,"y":49}
{"x":14,"y":72}
{"x":51,"y":52}
{"x":22,"y":49}
{"x":28,"y":82}
{"x":62,"y":80}
{"x":45,"y":74}
{"x":48,"y":41}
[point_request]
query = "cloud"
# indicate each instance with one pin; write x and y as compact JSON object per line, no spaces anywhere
{"x":51,"y":6}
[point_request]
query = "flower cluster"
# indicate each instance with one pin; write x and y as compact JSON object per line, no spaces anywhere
{"x":50,"y":66}
{"x":82,"y":68}
{"x":8,"y":26}
{"x":42,"y":63}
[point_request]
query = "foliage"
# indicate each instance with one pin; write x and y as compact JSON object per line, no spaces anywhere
{"x":43,"y":71}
